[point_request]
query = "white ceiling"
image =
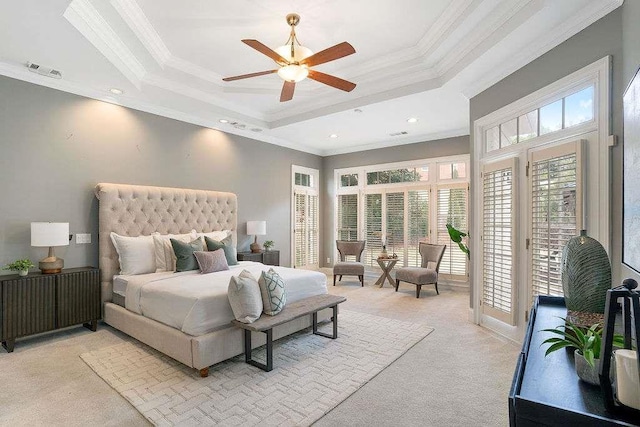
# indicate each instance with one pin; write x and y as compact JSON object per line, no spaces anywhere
{"x":414,"y":58}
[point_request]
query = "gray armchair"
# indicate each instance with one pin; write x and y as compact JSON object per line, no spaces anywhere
{"x":349,"y":268}
{"x":427,"y":274}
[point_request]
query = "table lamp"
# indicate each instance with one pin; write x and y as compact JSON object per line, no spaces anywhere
{"x":257,"y":228}
{"x":50,"y":234}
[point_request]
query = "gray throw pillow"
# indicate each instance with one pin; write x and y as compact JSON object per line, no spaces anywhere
{"x":185,"y":260}
{"x":227,"y":245}
{"x":244,"y":297}
{"x":274,"y":296}
{"x":210,"y":262}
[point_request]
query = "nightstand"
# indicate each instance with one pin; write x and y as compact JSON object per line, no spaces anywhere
{"x":271,"y":257}
{"x":44,"y":302}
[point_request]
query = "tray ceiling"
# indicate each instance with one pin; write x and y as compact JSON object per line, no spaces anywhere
{"x":414,"y":59}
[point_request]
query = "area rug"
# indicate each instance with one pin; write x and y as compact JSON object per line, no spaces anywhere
{"x":311,"y":375}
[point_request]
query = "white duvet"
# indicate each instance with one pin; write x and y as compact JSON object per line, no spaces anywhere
{"x":197,"y":303}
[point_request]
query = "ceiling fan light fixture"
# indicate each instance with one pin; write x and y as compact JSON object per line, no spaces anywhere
{"x":299,"y":52}
{"x":293,"y":73}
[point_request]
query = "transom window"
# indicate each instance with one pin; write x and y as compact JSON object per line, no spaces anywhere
{"x":349,"y":180}
{"x":303,"y":179}
{"x":571,"y":110}
{"x":394,"y":176}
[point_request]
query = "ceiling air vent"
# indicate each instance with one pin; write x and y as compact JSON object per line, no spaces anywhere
{"x":399,"y":133}
{"x":44,"y":71}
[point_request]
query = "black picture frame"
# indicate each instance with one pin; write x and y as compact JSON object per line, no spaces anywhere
{"x":631,"y":175}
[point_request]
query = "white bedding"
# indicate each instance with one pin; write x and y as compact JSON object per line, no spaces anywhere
{"x":197,"y":303}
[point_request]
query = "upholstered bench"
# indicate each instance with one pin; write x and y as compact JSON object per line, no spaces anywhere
{"x":294,"y":310}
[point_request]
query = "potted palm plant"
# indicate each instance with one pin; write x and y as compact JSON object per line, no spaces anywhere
{"x":587,"y":344}
{"x":22,"y":266}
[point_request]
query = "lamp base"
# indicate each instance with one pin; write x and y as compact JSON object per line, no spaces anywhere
{"x":255,"y":248}
{"x":48,"y":266}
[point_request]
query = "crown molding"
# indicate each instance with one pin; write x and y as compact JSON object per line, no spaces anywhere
{"x":412,"y":139}
{"x":135,"y":18}
{"x":88,"y":21}
{"x":544,"y":44}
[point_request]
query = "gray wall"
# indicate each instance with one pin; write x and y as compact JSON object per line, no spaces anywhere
{"x":631,"y":62}
{"x":55,"y":147}
{"x":421,"y":150}
{"x":602,"y":38}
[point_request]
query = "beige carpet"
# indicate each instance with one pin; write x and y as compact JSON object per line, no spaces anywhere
{"x":311,"y":375}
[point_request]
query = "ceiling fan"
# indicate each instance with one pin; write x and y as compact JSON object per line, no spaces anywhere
{"x":295,"y":60}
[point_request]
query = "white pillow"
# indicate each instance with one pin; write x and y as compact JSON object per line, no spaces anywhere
{"x":245,"y":298}
{"x":165,"y":258}
{"x":215,"y":235}
{"x":136,"y":254}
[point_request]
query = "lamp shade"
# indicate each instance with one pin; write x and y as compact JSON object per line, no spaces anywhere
{"x":49,"y":234}
{"x":258,"y":228}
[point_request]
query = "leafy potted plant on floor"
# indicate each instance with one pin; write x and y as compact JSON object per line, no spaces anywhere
{"x":22,"y":266}
{"x":268,"y":244}
{"x":587,"y":343}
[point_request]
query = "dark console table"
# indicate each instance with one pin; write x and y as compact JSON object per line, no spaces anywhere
{"x":546,"y":391}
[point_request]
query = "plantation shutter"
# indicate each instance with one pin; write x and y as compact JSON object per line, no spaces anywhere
{"x":372,"y":227}
{"x":312,"y":231}
{"x":395,"y":223}
{"x":452,"y":209}
{"x":418,"y":225}
{"x":347,"y":217}
{"x":300,"y":229}
{"x":556,"y":212}
{"x":498,"y":243}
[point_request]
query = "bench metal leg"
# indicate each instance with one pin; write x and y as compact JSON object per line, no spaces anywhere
{"x":335,"y":324}
{"x":247,"y":350}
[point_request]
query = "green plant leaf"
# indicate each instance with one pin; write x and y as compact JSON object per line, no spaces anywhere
{"x":588,"y":356}
{"x":557,"y":346}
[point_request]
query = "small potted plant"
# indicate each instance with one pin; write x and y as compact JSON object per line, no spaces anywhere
{"x":22,"y":266}
{"x":268,"y":244}
{"x":587,"y":344}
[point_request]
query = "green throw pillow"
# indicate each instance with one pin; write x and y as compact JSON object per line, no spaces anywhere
{"x":274,"y":296}
{"x":226,"y":245}
{"x":185,"y":259}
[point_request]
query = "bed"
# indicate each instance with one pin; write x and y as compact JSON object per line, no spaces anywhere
{"x":183,"y":315}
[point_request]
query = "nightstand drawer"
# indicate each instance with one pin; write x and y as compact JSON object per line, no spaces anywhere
{"x":249,"y":256}
{"x":271,"y":258}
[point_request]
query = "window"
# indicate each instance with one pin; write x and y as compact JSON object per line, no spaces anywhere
{"x":571,"y":110}
{"x":452,"y":209}
{"x":347,"y":219}
{"x":398,"y":175}
{"x":349,"y":180}
{"x":393,"y":204}
{"x":555,"y":213}
{"x":498,"y":240}
{"x":456,"y":170}
{"x":418,"y":224}
{"x":372,"y":227}
{"x":303,"y":179}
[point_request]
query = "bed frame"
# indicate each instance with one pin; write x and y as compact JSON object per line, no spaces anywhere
{"x":135,"y":210}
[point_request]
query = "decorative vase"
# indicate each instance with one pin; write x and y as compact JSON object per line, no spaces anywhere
{"x":384,"y":253}
{"x":586,"y":372}
{"x":23,"y":273}
{"x":586,"y":277}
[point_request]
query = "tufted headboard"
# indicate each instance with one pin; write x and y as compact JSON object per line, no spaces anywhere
{"x":137,"y":210}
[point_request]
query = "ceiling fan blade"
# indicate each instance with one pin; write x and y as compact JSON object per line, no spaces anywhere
{"x":330,"y":80}
{"x":246,"y":76}
{"x":334,"y":52}
{"x":265,"y":50}
{"x":287,"y":91}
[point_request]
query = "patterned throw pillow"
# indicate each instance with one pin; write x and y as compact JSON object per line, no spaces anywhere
{"x":225,"y":244}
{"x":210,"y":262}
{"x":274,"y":296}
{"x":185,"y":260}
{"x":244,"y":297}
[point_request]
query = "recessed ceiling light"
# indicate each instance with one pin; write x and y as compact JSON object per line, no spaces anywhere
{"x":412,"y":120}
{"x":223,"y":121}
{"x":333,"y":135}
{"x":116,"y":91}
